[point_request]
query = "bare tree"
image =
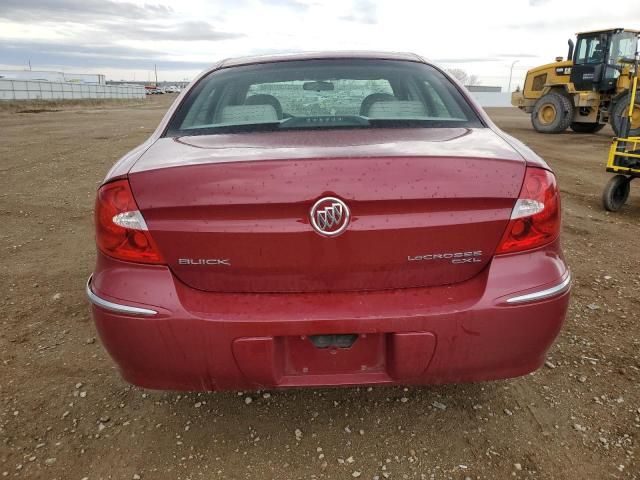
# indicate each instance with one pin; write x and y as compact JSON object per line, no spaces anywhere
{"x":458,"y":74}
{"x":463,"y":77}
{"x":473,"y":80}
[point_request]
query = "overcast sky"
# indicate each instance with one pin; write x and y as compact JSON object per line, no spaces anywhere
{"x":124,"y":39}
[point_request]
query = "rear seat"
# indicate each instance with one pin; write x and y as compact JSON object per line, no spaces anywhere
{"x":397,"y":109}
{"x":248,"y":114}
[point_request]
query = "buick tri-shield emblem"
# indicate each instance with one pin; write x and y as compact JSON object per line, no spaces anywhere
{"x":329,"y":216}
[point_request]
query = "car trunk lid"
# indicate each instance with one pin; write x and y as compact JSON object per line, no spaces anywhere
{"x":232,"y":214}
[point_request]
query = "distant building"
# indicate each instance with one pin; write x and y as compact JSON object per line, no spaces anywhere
{"x":483,"y":88}
{"x":180,"y":84}
{"x":49,"y":76}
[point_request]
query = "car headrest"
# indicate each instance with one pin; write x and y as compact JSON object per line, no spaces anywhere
{"x":247,"y":114}
{"x":265,"y":99}
{"x":398,"y":109}
{"x":373,"y":98}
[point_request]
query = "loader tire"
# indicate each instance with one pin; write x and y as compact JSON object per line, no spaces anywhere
{"x":620,"y":110}
{"x":586,"y":127}
{"x":552,"y":113}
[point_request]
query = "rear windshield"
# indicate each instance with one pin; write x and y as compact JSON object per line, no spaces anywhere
{"x":322,"y":94}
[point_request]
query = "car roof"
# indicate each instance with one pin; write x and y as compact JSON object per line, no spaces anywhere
{"x":289,"y":57}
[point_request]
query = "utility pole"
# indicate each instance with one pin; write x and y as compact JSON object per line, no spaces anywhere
{"x":511,"y":75}
{"x":29,"y":64}
{"x":155,"y":68}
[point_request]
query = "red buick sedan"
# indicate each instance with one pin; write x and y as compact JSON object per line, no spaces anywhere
{"x":327,"y":219}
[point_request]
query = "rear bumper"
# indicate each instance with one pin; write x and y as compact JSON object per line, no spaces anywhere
{"x":179,"y":338}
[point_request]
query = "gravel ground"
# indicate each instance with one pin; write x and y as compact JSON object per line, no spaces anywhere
{"x":66,"y":414}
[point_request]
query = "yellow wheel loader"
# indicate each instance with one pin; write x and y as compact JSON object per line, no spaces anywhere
{"x":589,"y":89}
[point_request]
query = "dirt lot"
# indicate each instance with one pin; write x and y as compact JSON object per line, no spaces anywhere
{"x":66,"y":414}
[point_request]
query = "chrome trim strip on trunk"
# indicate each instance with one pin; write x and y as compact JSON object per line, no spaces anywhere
{"x":542,"y":294}
{"x":116,"y":307}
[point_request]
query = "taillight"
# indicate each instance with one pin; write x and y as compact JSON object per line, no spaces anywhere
{"x":121,"y":231}
{"x":535,"y":219}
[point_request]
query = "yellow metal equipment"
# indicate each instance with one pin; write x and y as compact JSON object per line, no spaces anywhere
{"x":624,"y":155}
{"x":589,"y":89}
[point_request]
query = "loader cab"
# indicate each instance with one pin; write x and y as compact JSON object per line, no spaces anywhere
{"x":597,"y":60}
